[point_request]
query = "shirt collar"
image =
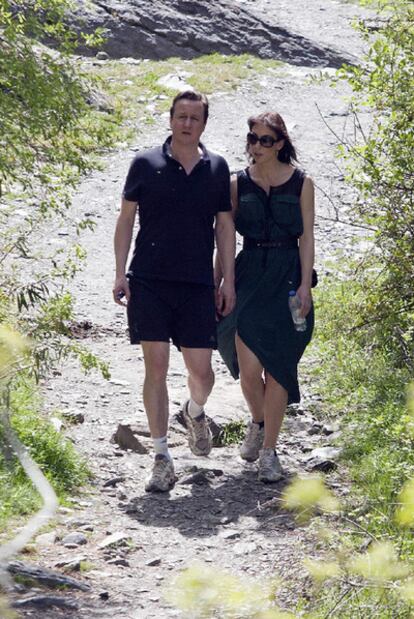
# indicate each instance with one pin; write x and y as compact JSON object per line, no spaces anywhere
{"x":166,"y":149}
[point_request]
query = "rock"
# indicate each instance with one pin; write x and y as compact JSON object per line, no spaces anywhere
{"x":104,"y":595}
{"x":139,"y":429}
{"x":73,"y":417}
{"x":293,"y":410}
{"x":102,"y":56}
{"x":156,"y":29}
{"x":118,"y":561}
{"x":322,"y":459}
{"x":79,"y":539}
{"x":216,"y":431}
{"x":175,"y":81}
{"x":45,"y":577}
{"x":113,"y":481}
{"x":126,"y":439}
{"x":116,"y":539}
{"x":46,"y":601}
{"x":230,"y":534}
{"x":316,"y":428}
{"x":244,"y":548}
{"x":325,"y":452}
{"x":99,"y":101}
{"x":200,"y":478}
{"x":72,"y":564}
{"x":330,"y":428}
{"x":46,"y":539}
{"x":153,"y":562}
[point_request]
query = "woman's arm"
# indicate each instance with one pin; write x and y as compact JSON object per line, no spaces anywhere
{"x":307,"y":244}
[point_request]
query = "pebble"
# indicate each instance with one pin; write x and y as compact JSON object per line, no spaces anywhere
{"x":153,"y":562}
{"x":74,"y":539}
{"x":46,"y":539}
{"x":115,"y":539}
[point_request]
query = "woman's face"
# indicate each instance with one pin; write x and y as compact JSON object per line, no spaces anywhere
{"x":263,"y":143}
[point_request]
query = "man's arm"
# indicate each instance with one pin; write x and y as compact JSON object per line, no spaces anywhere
{"x":226,"y":249}
{"x":122,"y":243}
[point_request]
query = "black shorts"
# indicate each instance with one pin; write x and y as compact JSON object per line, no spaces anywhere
{"x":160,"y":311}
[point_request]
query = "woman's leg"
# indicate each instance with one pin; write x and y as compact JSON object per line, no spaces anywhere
{"x":275,"y":403}
{"x":251,"y":380}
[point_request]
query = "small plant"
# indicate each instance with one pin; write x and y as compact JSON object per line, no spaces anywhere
{"x":232,"y":432}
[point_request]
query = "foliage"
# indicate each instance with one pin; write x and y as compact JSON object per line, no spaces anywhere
{"x":55,"y":455}
{"x":306,"y":495}
{"x":232,"y":432}
{"x":48,"y":131}
{"x":380,"y":167}
{"x":209,"y":592}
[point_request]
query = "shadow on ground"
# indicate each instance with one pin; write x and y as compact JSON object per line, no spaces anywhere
{"x":217,"y":502}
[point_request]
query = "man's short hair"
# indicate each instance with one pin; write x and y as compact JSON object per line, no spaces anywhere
{"x":191,"y":95}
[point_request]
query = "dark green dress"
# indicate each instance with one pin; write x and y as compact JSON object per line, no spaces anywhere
{"x":264,"y":277}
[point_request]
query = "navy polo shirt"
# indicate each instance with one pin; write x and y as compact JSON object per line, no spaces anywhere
{"x":175,"y":241}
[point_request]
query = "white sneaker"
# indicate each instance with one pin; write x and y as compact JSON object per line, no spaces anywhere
{"x":200,"y":439}
{"x":269,"y":466}
{"x":252,"y":442}
{"x":162,"y":477}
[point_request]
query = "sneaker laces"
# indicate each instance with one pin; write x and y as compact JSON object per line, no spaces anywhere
{"x":252,"y":433}
{"x":200,"y":427}
{"x":159,"y":469}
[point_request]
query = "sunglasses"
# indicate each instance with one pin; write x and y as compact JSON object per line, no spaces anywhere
{"x":266,"y":141}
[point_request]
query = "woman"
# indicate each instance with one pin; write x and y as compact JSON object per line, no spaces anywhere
{"x":273,"y":209}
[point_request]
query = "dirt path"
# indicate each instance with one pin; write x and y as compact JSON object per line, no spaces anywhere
{"x":223,"y":517}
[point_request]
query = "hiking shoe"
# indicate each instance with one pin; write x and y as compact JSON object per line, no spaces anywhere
{"x":162,"y":477}
{"x":200,"y":439}
{"x":269,"y":466}
{"x":252,"y":443}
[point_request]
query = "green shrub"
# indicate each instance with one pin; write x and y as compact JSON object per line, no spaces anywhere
{"x":54,"y":454}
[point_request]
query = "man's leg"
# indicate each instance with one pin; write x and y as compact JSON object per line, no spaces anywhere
{"x":156,"y":358}
{"x":200,"y":383}
{"x":200,"y":373}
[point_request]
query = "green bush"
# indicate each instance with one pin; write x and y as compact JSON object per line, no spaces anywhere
{"x":380,"y":167}
{"x":54,"y":454}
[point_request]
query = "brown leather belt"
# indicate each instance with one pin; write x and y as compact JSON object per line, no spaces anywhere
{"x":281,"y":243}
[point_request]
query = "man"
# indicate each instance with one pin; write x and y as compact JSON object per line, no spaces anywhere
{"x":182,"y":192}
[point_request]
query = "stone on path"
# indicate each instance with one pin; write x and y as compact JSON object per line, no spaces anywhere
{"x":45,"y":577}
{"x":79,"y":539}
{"x":126,"y":439}
{"x":46,"y":539}
{"x":46,"y":601}
{"x":73,"y":417}
{"x":116,"y":539}
{"x":323,"y":459}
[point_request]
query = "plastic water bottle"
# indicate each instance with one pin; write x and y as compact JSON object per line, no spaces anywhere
{"x":299,"y":322}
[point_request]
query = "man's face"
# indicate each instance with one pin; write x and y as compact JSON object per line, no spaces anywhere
{"x":187,"y":123}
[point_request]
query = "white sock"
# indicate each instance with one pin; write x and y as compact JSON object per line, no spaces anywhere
{"x":194,"y":410}
{"x":161,"y":446}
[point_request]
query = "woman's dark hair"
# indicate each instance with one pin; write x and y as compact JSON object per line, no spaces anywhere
{"x":274,"y":121}
{"x":191,"y":95}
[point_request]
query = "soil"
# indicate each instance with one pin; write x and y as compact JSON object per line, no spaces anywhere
{"x":223,"y":517}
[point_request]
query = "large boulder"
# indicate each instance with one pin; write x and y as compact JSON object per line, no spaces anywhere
{"x":159,"y":29}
